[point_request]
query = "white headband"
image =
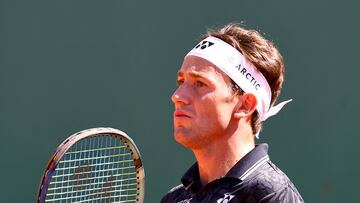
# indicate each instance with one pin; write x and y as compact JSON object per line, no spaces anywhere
{"x":240,"y":70}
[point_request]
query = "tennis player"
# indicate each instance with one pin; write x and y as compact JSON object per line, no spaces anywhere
{"x":227,"y":86}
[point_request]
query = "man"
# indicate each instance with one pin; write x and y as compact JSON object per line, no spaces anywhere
{"x":227,"y":86}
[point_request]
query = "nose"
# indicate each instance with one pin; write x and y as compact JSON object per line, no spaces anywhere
{"x":180,"y":95}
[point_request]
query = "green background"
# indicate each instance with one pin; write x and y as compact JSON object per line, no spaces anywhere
{"x":66,"y":66}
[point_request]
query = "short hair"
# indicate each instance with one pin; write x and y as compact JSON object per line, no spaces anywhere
{"x":261,"y":52}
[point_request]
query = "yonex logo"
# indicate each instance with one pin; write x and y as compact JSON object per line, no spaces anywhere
{"x":185,"y":200}
{"x":204,"y":44}
{"x":225,"y":199}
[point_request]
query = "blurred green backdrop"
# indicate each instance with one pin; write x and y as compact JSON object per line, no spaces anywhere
{"x":70,"y":65}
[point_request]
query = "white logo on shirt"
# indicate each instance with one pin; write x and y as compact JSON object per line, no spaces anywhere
{"x":226,"y":198}
{"x":185,"y":201}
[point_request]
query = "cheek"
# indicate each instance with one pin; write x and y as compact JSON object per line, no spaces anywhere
{"x":215,"y":112}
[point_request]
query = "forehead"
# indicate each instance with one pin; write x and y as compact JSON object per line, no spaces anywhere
{"x":194,"y":65}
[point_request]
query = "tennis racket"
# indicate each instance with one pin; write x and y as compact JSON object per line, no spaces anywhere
{"x":94,"y":165}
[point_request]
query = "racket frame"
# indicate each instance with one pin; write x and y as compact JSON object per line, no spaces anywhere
{"x":93,"y":132}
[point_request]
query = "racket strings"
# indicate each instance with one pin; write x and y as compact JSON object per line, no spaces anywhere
{"x":110,"y":163}
{"x":96,"y":168}
{"x":86,"y":180}
{"x":95,"y":188}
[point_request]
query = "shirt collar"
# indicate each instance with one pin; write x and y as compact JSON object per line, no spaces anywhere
{"x":191,"y":178}
{"x":240,"y":170}
{"x":249,"y":161}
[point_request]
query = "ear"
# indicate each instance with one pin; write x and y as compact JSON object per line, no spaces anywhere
{"x":246,"y":106}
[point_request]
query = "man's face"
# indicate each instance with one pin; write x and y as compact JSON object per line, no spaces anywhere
{"x":204,"y":103}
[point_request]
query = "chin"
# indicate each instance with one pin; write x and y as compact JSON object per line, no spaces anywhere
{"x":186,"y":139}
{"x":182,"y":138}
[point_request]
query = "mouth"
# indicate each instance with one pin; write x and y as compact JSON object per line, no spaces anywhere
{"x":180,"y":114}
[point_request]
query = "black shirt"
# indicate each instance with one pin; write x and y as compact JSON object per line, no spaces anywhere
{"x":253,"y":179}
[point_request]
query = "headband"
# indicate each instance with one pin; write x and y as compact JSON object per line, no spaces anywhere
{"x":240,"y":70}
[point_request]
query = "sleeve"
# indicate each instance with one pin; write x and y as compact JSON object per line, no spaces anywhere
{"x":173,"y":194}
{"x":284,"y":195}
{"x":166,"y":199}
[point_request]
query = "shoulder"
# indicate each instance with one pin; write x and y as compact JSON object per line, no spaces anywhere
{"x":173,"y":194}
{"x":270,"y":184}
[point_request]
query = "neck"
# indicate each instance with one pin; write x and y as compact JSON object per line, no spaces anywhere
{"x":216,"y":159}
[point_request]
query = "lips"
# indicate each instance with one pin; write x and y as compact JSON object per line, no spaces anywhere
{"x":181,"y":114}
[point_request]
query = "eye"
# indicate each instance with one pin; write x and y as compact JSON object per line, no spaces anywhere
{"x":180,"y":81}
{"x":199,"y":83}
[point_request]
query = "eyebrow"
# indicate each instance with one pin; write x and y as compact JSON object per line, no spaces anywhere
{"x":192,"y":74}
{"x":196,"y":75}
